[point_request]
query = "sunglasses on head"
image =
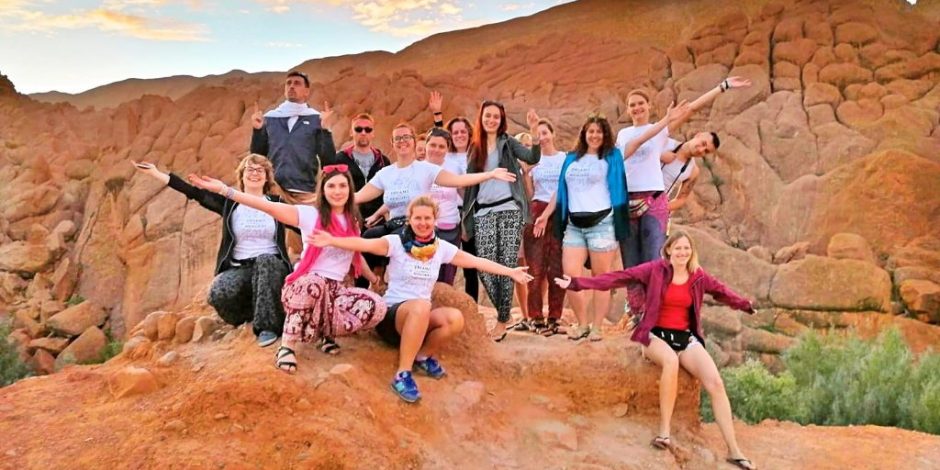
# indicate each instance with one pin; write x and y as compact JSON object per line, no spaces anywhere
{"x":335,"y":168}
{"x":360,"y":130}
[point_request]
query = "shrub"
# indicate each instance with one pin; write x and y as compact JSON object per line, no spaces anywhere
{"x":836,"y":380}
{"x":12,"y":367}
{"x":74,"y":300}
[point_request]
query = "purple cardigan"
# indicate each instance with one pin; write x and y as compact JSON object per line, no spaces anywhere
{"x":656,"y":276}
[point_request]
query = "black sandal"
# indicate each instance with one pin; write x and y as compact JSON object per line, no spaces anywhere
{"x":551,"y":328}
{"x":740,"y":463}
{"x":329,"y":346}
{"x":283,"y":362}
{"x":522,"y":325}
{"x":661,"y":443}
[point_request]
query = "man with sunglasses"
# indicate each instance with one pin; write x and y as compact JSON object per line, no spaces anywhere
{"x":295,"y":137}
{"x":364,"y":161}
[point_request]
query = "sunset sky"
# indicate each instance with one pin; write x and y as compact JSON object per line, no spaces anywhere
{"x":72,"y":46}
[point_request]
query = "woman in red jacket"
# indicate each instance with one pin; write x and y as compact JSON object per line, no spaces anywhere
{"x":671,"y":329}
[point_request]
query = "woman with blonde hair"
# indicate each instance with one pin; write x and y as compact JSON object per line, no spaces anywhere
{"x":412,"y":324}
{"x":670,"y":329}
{"x":252,"y":261}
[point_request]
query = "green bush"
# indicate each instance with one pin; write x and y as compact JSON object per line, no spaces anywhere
{"x":11,"y":367}
{"x":836,"y":380}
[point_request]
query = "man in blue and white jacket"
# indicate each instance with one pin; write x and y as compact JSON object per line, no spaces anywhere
{"x":295,"y":138}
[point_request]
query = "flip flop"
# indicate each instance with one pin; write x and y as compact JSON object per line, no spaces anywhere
{"x":740,"y":463}
{"x":284,"y":363}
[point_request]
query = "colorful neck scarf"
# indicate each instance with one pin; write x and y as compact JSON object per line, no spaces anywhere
{"x":422,"y":249}
{"x":336,"y":229}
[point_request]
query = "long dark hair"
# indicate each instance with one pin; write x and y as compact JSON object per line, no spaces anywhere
{"x":323,"y":205}
{"x":450,"y":128}
{"x":478,"y":145}
{"x":606,"y":146}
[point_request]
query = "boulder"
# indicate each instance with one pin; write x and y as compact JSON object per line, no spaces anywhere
{"x":204,"y":328}
{"x":64,"y":279}
{"x":843,"y":74}
{"x":721,"y":320}
{"x":87,"y":348}
{"x":137,"y":347}
{"x":75,"y":320}
{"x":761,"y":253}
{"x":166,"y":326}
{"x":184,"y":329}
{"x":53,"y":345}
{"x":132,"y":380}
{"x":24,"y":257}
{"x":849,"y":246}
{"x":744,"y":273}
{"x":763,"y":341}
{"x":856,"y":33}
{"x":821,"y":93}
{"x":922,"y":296}
{"x":820,"y":283}
{"x":11,"y":285}
{"x":798,"y":51}
{"x":23,"y":319}
{"x":42,"y":362}
{"x":794,"y":252}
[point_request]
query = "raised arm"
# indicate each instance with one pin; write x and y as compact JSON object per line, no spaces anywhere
{"x":678,"y":119}
{"x":376,"y":246}
{"x":634,"y":144}
{"x":367,"y":193}
{"x":465,"y":260}
{"x":529,"y":155}
{"x":283,"y":213}
{"x":259,"y":135}
{"x":451,"y":180}
{"x":435,"y":103}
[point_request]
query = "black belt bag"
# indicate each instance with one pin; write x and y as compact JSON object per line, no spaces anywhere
{"x":394,"y":224}
{"x":484,"y":205}
{"x":587,"y":219}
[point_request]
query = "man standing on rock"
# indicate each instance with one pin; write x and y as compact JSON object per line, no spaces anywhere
{"x":295,"y":138}
{"x":364,"y":161}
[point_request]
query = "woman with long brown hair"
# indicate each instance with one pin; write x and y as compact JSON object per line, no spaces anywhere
{"x":317,"y":303}
{"x":495,"y":211}
{"x":671,"y":329}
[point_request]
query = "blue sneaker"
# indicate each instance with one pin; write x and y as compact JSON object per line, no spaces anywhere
{"x":430,"y":367}
{"x":266,"y":338}
{"x":405,"y":387}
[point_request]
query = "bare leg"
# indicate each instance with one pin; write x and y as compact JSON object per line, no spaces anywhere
{"x":411,"y":321}
{"x":522,"y":295}
{"x":572,"y":263}
{"x":445,"y":323}
{"x":600,"y":264}
{"x":661,"y":354}
{"x":696,"y":360}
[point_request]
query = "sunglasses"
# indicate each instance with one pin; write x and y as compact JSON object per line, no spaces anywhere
{"x":335,"y":169}
{"x":360,"y":130}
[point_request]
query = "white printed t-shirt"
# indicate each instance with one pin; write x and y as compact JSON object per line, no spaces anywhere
{"x":643,"y":167}
{"x":410,"y":278}
{"x":333,"y":263}
{"x":401,"y":185}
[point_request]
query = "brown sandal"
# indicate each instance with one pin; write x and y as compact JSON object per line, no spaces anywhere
{"x":661,"y":443}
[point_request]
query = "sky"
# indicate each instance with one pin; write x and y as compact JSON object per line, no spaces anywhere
{"x":72,"y":46}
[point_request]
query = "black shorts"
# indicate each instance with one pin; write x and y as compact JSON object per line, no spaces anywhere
{"x":386,"y":328}
{"x":678,"y":340}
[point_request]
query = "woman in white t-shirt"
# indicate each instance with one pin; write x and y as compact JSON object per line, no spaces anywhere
{"x":412,"y":324}
{"x":448,"y":199}
{"x":316,"y":302}
{"x":252,"y":260}
{"x":543,"y":254}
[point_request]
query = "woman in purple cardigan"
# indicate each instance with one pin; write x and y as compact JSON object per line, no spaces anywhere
{"x":670,"y":329}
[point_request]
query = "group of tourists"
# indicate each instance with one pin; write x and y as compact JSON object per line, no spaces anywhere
{"x":307,"y":230}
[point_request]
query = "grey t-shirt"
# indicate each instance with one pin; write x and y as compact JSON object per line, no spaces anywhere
{"x":364,"y":161}
{"x":494,"y":190}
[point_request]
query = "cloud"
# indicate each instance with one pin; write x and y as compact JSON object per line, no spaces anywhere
{"x":27,"y":18}
{"x":516,"y":6}
{"x":283,"y":45}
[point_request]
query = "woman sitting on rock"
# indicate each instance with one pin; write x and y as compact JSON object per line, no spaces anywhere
{"x":671,"y":328}
{"x":252,"y":260}
{"x":416,"y":255}
{"x":317,"y":303}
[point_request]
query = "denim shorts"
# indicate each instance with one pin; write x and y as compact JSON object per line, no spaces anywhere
{"x":599,"y":238}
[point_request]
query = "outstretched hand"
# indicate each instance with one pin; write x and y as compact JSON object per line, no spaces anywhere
{"x":326,"y":116}
{"x":502,"y":174}
{"x":147,"y":168}
{"x":677,"y":110}
{"x":320,"y":239}
{"x":521,"y":275}
{"x":738,"y":82}
{"x":538,"y":227}
{"x":532,"y":119}
{"x":207,"y":183}
{"x":435,"y":102}
{"x":564,"y":281}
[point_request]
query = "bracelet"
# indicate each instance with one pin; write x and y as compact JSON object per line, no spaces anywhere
{"x":438,"y":113}
{"x":227,"y":192}
{"x":724,"y":85}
